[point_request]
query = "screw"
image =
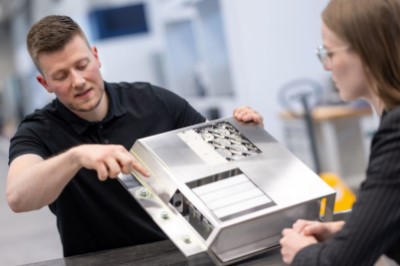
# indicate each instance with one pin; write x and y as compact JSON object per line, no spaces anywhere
{"x":164,"y":215}
{"x":186,"y":239}
{"x":143,"y":192}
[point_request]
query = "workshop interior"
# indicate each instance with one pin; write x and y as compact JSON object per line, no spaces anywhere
{"x":229,"y":188}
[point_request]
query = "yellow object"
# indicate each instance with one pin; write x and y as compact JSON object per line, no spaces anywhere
{"x":344,"y":196}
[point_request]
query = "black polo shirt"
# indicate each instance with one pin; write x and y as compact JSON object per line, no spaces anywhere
{"x":94,"y":215}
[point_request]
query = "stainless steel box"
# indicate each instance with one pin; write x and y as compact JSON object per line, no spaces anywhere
{"x":224,"y":188}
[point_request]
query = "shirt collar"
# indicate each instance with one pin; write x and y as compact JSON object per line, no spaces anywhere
{"x":115,"y":109}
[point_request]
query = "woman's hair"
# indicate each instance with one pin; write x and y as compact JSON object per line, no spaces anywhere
{"x":372,"y":29}
{"x":51,"y":34}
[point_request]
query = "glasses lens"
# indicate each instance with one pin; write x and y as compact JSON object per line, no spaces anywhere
{"x":322,"y":54}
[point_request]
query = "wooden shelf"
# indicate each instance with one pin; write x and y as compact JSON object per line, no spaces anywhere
{"x":322,"y":113}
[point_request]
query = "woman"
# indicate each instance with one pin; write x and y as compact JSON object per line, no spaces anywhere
{"x":361,"y":47}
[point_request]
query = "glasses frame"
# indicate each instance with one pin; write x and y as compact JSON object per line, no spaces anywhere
{"x":325,"y":56}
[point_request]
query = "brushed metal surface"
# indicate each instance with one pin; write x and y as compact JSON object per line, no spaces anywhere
{"x":225,"y":188}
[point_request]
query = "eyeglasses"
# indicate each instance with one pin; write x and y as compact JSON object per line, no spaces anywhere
{"x":325,"y":56}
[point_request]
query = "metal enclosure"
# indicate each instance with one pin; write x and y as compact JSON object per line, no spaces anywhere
{"x":224,"y":188}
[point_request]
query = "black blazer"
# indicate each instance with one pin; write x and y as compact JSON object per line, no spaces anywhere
{"x":373,"y":227}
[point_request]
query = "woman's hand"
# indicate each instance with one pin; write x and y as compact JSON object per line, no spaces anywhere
{"x":293,"y":241}
{"x":321,"y":231}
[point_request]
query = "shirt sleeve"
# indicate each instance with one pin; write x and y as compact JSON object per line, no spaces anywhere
{"x":181,"y":111}
{"x":28,"y":140}
{"x":372,"y":229}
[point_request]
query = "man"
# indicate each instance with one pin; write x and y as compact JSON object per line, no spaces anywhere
{"x":61,"y":151}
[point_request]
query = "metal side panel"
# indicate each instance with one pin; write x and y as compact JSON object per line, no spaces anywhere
{"x":241,"y":240}
{"x":160,"y":179}
{"x":166,"y":217}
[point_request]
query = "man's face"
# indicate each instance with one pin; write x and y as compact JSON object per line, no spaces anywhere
{"x":73,"y":75}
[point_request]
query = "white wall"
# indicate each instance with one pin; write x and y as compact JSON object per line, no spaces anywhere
{"x":132,"y":58}
{"x":271,"y":42}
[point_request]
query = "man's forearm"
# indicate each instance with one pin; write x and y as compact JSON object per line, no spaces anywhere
{"x":33,"y":182}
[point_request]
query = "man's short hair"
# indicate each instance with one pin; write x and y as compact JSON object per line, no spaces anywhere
{"x":51,"y":34}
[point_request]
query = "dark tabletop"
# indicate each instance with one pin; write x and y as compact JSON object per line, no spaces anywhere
{"x":159,"y":253}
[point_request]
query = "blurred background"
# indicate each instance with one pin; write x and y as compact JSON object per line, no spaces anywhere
{"x":218,"y":54}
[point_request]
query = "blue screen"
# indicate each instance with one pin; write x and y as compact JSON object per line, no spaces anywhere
{"x":118,"y":21}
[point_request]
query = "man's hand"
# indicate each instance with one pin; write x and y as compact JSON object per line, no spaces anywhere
{"x":33,"y":182}
{"x":292,"y":242}
{"x":108,"y":160}
{"x":247,"y":114}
